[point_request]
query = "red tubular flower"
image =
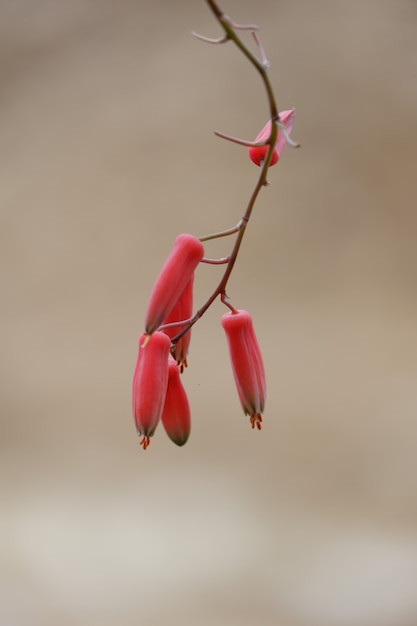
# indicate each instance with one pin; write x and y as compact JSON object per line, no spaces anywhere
{"x":258,"y":154}
{"x":150,"y":382}
{"x":176,"y":413}
{"x":172,"y":280}
{"x":183,"y":310}
{"x":247,"y":363}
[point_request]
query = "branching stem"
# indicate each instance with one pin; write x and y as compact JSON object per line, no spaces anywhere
{"x":261,"y":65}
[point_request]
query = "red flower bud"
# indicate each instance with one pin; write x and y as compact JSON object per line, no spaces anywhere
{"x":247,"y":363}
{"x":173,"y":277}
{"x":258,"y":153}
{"x":183,"y":310}
{"x":176,"y":414}
{"x":150,"y":382}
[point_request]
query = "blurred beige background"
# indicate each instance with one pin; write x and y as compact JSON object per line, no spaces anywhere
{"x":107,"y":153}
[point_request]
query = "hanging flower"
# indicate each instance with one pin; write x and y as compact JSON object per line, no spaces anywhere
{"x":247,"y":363}
{"x":258,"y":153}
{"x":150,"y":381}
{"x":176,"y":417}
{"x":176,"y":272}
{"x":183,"y":310}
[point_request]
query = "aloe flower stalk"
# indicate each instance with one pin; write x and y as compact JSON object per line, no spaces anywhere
{"x":176,"y":272}
{"x":258,"y":153}
{"x":247,"y":363}
{"x":183,"y":310}
{"x":150,"y":381}
{"x":176,"y":417}
{"x":158,"y":393}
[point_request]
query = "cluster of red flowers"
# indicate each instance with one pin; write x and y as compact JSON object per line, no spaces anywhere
{"x":158,"y":393}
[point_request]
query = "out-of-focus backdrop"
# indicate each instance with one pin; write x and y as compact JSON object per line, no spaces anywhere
{"x":107,"y":153}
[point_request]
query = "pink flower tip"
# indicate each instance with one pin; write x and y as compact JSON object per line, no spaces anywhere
{"x":258,"y":153}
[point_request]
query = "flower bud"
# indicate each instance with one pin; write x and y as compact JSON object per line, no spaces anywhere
{"x":150,"y":381}
{"x":183,"y":310}
{"x":173,"y":277}
{"x":258,"y":153}
{"x":176,"y":413}
{"x":247,"y":363}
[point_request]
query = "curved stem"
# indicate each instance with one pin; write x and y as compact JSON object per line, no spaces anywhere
{"x":228,"y":28}
{"x":222,"y":233}
{"x":240,"y":228}
{"x":221,"y":261}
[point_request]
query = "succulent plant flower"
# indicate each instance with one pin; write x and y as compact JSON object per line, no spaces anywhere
{"x":258,"y":153}
{"x":183,"y":310}
{"x":176,"y":417}
{"x":150,"y":381}
{"x":158,"y":393}
{"x":176,"y":272}
{"x":247,"y":363}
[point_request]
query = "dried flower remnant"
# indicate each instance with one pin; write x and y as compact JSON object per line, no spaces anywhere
{"x":176,"y":417}
{"x":247,"y":363}
{"x":258,"y":153}
{"x":177,"y":270}
{"x":150,"y":381}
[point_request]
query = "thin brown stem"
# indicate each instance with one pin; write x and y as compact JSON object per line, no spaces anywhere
{"x":261,"y":66}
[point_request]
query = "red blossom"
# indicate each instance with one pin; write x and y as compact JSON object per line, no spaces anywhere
{"x":176,"y":417}
{"x":182,"y":310}
{"x":247,"y":363}
{"x":258,"y":153}
{"x":150,"y":381}
{"x":175,"y":274}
